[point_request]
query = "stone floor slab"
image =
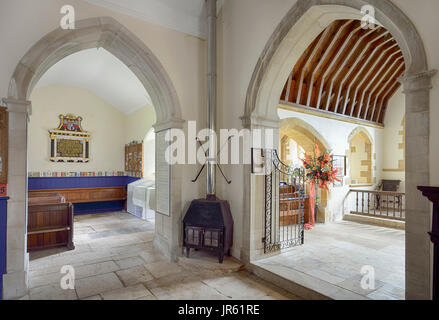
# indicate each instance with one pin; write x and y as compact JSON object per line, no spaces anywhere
{"x":333,"y":256}
{"x":127,"y":293}
{"x":115,"y":259}
{"x":134,"y":275}
{"x":91,"y":286}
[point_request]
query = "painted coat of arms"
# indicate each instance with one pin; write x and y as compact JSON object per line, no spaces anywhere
{"x":69,"y":142}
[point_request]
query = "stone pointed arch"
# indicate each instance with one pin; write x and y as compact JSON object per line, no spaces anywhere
{"x":107,"y":33}
{"x":360,"y":130}
{"x":303,"y":22}
{"x":306,"y":129}
{"x":300,"y":26}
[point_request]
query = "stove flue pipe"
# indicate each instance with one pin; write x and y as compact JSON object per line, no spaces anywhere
{"x":211,"y":114}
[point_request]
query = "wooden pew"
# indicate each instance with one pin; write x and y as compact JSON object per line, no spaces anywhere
{"x":85,"y":195}
{"x":50,"y":222}
{"x":289,"y":205}
{"x":45,"y":198}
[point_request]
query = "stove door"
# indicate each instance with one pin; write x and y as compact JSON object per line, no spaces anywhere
{"x":193,"y":236}
{"x":212,"y":238}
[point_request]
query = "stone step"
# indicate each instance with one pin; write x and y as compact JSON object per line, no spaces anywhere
{"x":300,"y":284}
{"x":376,"y":221}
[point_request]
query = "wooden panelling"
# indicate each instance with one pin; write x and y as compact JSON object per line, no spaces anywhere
{"x":134,"y":159}
{"x":85,"y":195}
{"x":4,"y":136}
{"x":50,"y":225}
{"x":347,"y":71}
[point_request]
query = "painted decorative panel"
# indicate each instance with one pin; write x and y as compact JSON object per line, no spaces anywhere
{"x":69,"y":142}
{"x":134,"y":159}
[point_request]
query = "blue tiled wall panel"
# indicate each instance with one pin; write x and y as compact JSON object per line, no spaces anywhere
{"x":46,"y":183}
{"x":3,"y":217}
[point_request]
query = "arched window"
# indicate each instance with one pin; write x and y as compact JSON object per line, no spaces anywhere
{"x":360,"y":156}
{"x":298,"y":138}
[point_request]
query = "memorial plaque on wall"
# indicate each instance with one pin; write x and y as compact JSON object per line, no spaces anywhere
{"x":163,"y":175}
{"x":69,"y":142}
{"x":339,"y":163}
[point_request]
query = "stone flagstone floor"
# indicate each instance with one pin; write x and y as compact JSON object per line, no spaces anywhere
{"x":114,"y":259}
{"x":331,"y":260}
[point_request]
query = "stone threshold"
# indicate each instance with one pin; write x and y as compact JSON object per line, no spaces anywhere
{"x":375,"y":221}
{"x":301,"y":284}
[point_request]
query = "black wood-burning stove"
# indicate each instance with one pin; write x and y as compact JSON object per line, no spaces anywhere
{"x":208,"y":224}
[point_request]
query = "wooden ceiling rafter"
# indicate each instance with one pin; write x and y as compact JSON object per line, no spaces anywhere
{"x":347,"y":71}
{"x":390,"y":80}
{"x":292,"y":89}
{"x":331,"y":67}
{"x":356,"y":78}
{"x":325,"y":59}
{"x":384,"y":67}
{"x":352,"y":74}
{"x":338,"y":61}
{"x":378,"y":83}
{"x":310,"y":60}
{"x":356,"y":108}
{"x":393,"y":87}
{"x":347,"y":61}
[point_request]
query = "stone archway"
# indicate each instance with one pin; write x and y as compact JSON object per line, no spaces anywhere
{"x":307,"y":137}
{"x":306,"y":129}
{"x":305,"y":20}
{"x":107,"y":33}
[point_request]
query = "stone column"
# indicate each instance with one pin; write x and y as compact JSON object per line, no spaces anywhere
{"x":168,"y":228}
{"x":418,"y":218}
{"x":15,"y":283}
{"x":254,"y":195}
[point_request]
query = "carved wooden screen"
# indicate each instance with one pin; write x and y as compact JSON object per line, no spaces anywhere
{"x":134,"y":159}
{"x":4,"y":120}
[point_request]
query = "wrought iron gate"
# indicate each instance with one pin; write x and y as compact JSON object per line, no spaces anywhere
{"x":285,"y":196}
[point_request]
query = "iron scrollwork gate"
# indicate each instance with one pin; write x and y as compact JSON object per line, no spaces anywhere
{"x":285,"y":195}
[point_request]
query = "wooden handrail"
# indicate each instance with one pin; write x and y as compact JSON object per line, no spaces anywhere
{"x":384,"y":204}
{"x":390,"y":193}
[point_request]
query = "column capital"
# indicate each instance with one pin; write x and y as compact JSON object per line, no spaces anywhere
{"x":18,"y":106}
{"x":417,"y":82}
{"x":260,"y":121}
{"x":173,"y":123}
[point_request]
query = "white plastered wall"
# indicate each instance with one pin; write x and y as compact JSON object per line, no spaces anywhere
{"x":110,"y":128}
{"x":393,"y":154}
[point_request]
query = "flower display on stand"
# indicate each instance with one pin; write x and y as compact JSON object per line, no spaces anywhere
{"x":320,"y":172}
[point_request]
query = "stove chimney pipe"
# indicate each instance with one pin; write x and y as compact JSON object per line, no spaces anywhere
{"x":211,"y":120}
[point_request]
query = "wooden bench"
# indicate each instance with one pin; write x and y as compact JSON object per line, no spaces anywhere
{"x":85,"y":195}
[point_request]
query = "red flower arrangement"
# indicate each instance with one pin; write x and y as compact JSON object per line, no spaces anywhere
{"x":319,"y":171}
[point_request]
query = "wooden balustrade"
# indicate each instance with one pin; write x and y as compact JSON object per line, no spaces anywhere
{"x":383,"y":204}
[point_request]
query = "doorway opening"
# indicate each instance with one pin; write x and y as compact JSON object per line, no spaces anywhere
{"x":108,"y":34}
{"x":311,"y":95}
{"x":78,"y":209}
